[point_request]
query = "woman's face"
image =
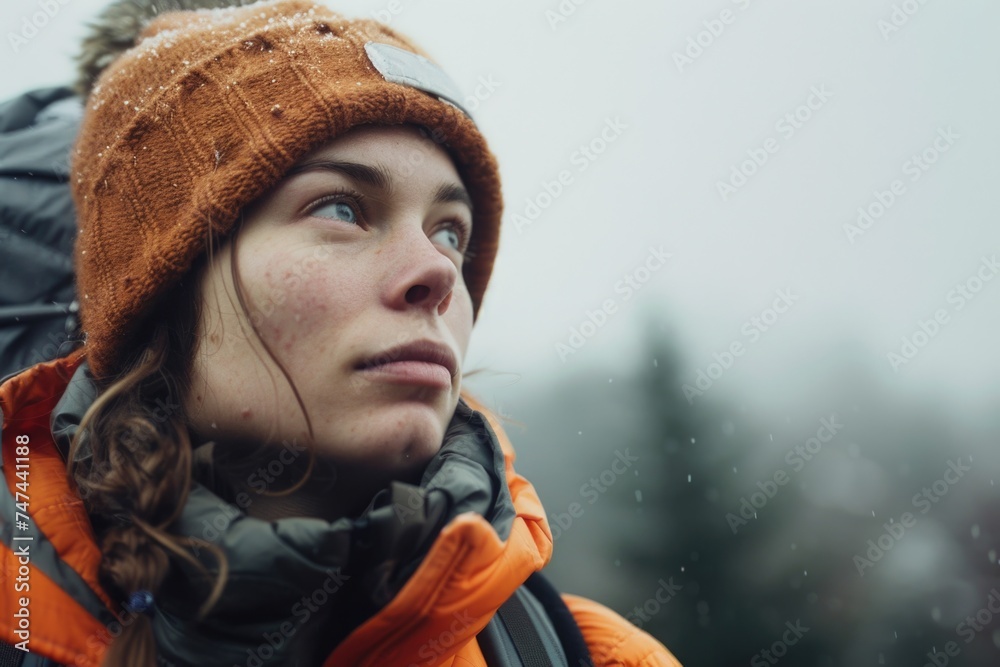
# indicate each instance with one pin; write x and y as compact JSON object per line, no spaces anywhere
{"x":358,"y":250}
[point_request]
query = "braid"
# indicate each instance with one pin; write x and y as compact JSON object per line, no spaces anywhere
{"x":138,"y":478}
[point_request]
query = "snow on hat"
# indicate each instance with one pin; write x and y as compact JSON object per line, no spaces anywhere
{"x":207,"y":112}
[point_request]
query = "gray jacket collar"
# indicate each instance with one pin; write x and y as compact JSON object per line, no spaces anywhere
{"x":298,"y":586}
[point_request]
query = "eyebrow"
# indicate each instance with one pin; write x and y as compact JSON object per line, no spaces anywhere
{"x":378,"y":176}
{"x":449,"y":192}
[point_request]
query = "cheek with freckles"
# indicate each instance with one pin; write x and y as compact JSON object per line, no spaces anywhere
{"x":298,"y":301}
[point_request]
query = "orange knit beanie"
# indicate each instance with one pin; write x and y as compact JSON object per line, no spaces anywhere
{"x":207,"y":112}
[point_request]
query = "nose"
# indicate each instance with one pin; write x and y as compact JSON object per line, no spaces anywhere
{"x":426,"y":277}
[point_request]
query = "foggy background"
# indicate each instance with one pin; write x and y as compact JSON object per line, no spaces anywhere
{"x":712,"y":154}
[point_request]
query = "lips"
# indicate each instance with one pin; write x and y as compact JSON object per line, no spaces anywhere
{"x":422,"y":350}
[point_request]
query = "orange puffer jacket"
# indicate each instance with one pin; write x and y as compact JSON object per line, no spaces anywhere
{"x":468,"y":569}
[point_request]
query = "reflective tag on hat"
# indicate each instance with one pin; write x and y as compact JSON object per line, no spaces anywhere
{"x":405,"y":67}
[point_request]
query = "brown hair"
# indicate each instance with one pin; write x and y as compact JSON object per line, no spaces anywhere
{"x":138,"y":476}
{"x":137,"y":480}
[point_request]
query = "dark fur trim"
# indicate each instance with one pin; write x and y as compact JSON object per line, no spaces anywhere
{"x":116,"y":27}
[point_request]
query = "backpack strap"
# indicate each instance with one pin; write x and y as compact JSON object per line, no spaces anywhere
{"x":10,"y":656}
{"x":534,"y":628}
{"x":524,"y":633}
{"x":520,"y":635}
{"x":14,"y":657}
{"x":570,"y":636}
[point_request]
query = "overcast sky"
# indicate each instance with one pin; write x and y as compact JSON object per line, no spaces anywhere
{"x":738,"y":137}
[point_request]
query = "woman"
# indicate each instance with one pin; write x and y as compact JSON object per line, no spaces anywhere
{"x":287,"y":224}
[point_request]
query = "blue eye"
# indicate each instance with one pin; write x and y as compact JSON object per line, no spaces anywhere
{"x":340,"y":210}
{"x":457,"y":232}
{"x":454,"y":237}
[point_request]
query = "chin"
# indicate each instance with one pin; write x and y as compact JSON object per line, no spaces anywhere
{"x":401,"y":436}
